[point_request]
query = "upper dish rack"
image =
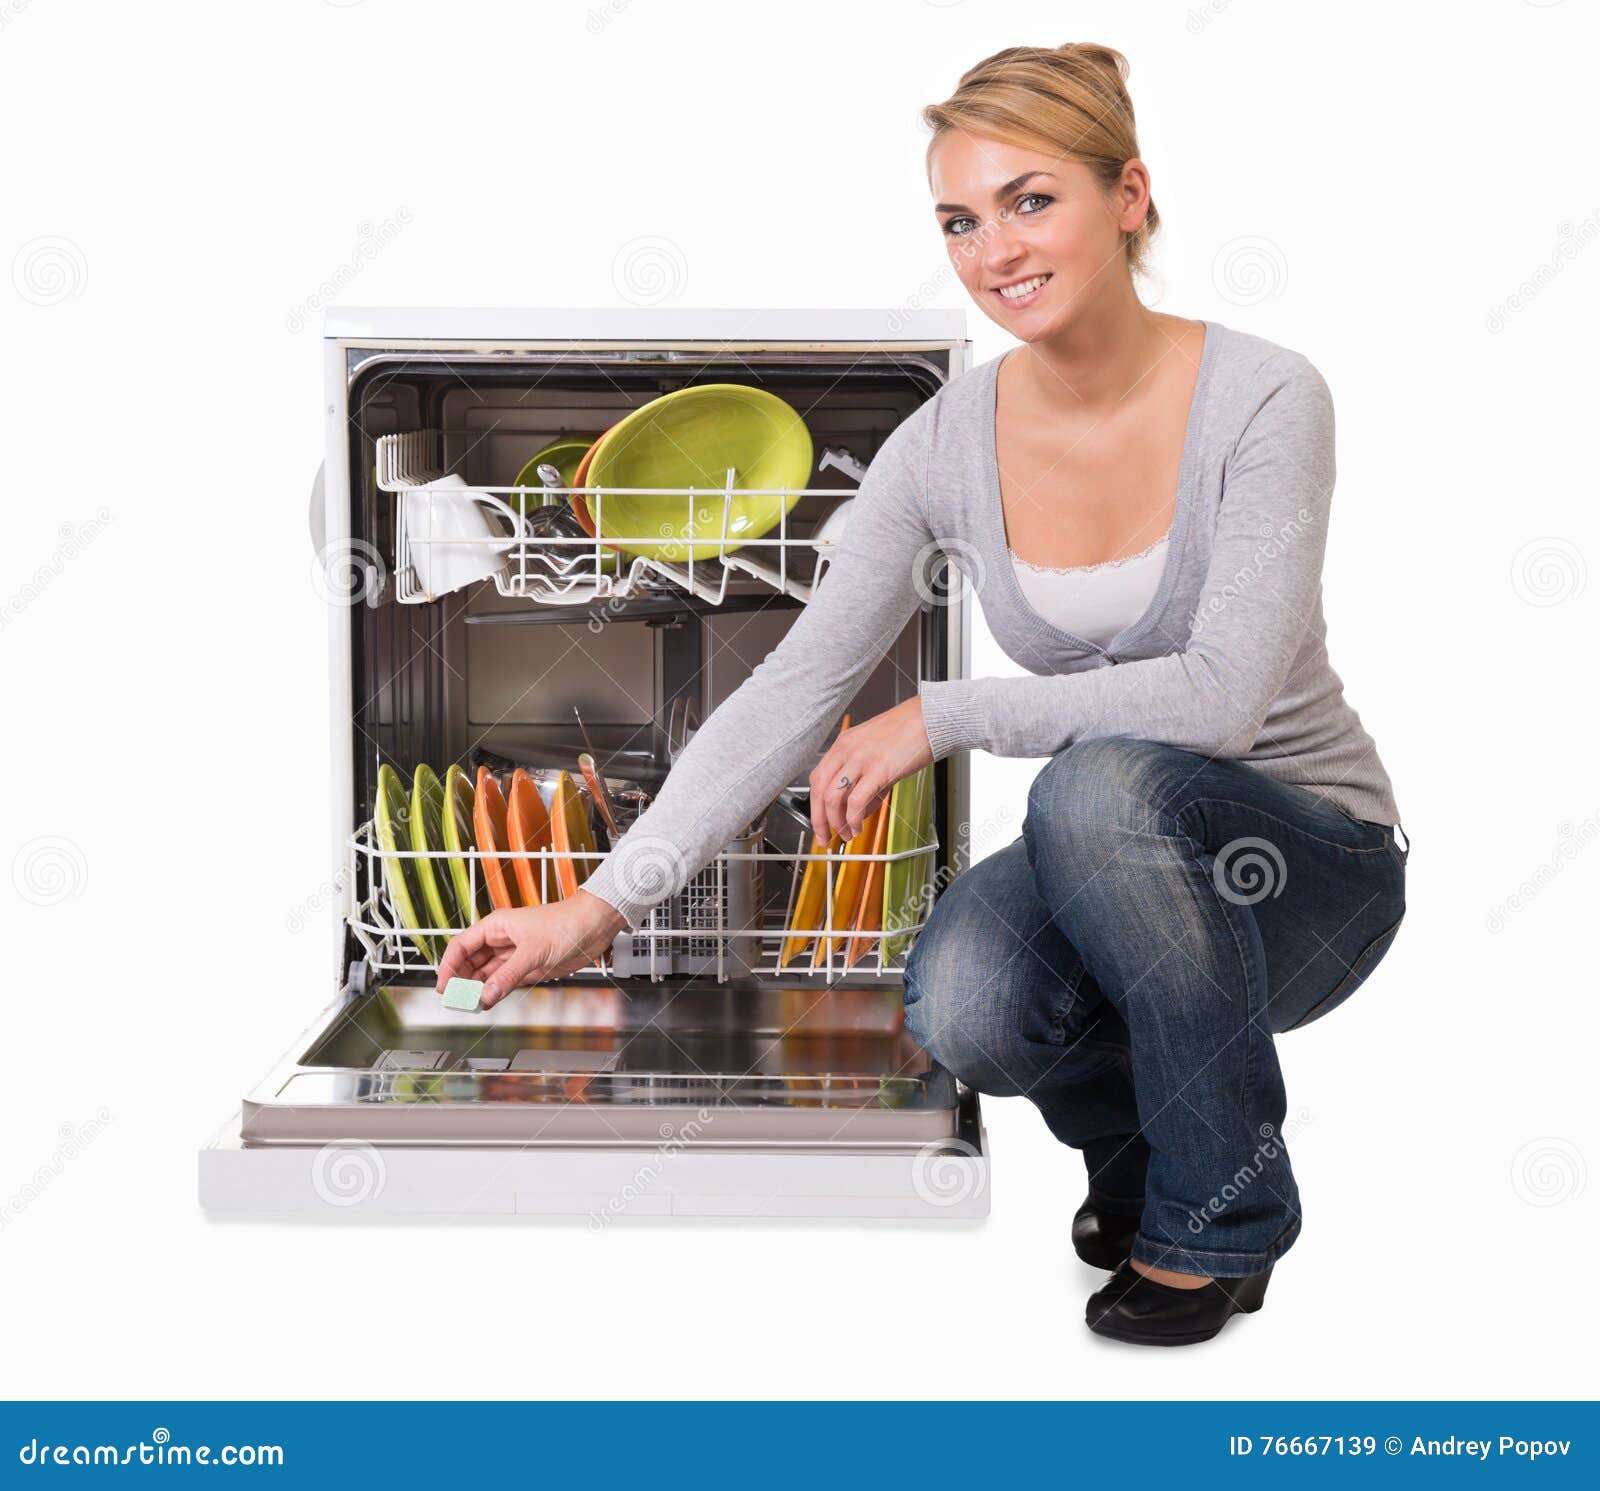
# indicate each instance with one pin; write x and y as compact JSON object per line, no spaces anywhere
{"x":558,"y":569}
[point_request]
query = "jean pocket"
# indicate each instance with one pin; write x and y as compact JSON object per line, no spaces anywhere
{"x":1370,"y":957}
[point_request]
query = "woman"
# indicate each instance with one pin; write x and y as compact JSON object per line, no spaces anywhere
{"x":1141,"y":503}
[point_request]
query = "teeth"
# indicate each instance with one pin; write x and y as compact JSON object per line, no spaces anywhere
{"x":1027,"y":287}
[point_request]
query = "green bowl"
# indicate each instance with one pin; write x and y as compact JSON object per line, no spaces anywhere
{"x":565,"y":455}
{"x":689,"y":439}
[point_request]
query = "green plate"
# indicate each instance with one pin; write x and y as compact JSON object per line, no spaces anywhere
{"x":689,"y":438}
{"x":564,"y":454}
{"x":392,"y":822}
{"x":459,"y":839}
{"x":427,"y":833}
{"x":910,"y":827}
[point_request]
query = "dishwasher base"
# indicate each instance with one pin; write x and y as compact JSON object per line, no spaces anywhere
{"x":946,"y":1180}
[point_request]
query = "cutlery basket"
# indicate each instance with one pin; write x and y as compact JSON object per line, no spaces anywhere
{"x":688,"y":934}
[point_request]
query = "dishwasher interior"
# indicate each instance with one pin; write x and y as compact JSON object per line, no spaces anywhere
{"x":701,"y":1030}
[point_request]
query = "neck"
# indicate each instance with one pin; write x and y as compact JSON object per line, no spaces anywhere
{"x":1101,"y":359}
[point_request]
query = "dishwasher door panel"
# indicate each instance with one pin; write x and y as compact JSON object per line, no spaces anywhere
{"x":695,"y":1063}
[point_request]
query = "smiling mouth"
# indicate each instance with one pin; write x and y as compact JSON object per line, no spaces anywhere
{"x":1023,"y":291}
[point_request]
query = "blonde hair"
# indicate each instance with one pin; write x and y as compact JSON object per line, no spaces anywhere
{"x":1071,"y":101}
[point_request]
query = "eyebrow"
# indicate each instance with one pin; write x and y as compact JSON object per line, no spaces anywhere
{"x":1000,"y":192}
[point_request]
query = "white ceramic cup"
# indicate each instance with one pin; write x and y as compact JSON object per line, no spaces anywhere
{"x":451,"y":541}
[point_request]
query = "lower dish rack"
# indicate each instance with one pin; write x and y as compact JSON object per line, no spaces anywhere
{"x":725,"y":923}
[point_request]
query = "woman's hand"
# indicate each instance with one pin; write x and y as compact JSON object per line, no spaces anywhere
{"x":874,"y":756}
{"x":510,"y":948}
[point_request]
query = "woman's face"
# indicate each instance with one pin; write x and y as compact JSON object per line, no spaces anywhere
{"x":1013,"y":216}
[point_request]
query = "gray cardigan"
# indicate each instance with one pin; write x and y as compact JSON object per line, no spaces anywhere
{"x":1229,"y":660}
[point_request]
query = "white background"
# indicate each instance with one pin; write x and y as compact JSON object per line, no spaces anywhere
{"x":1405,"y":194}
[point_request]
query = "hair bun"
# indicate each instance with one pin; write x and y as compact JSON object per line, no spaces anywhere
{"x":1100,"y":56}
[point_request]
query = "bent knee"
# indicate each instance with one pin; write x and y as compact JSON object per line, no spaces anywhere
{"x":1116,"y":783}
{"x":948,"y":1018}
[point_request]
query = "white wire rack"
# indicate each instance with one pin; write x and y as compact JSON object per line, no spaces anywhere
{"x":711,"y":927}
{"x":559,"y":569}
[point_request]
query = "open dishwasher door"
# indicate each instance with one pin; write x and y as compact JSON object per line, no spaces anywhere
{"x":703,"y":1071}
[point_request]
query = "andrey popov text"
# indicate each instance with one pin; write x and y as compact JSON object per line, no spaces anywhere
{"x":1506,"y":1446}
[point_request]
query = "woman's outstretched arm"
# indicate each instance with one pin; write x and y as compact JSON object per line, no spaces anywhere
{"x":779,"y":720}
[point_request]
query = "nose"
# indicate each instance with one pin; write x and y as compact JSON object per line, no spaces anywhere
{"x":1002,"y":251}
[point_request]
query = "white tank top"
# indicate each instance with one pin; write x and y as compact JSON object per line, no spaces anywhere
{"x":1094,"y":601}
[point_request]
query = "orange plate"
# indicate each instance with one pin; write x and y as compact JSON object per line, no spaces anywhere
{"x":807,"y":915}
{"x":489,"y":823}
{"x":529,"y":823}
{"x":847,"y":888}
{"x":579,"y":506}
{"x":870,"y":912}
{"x":570,"y":833}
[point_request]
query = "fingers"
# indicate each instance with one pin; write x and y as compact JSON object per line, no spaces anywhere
{"x":516,"y":968}
{"x":845,"y":809}
{"x":463,"y":952}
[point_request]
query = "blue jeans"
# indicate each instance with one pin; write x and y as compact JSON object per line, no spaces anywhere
{"x":1125,"y":964}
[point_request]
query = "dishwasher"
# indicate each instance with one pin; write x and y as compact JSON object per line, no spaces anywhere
{"x":697,"y":1069}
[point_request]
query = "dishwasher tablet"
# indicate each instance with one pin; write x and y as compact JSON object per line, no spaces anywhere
{"x":463,"y":994}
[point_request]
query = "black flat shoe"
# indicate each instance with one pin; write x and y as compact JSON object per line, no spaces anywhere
{"x":1131,"y":1307}
{"x":1103,"y":1239}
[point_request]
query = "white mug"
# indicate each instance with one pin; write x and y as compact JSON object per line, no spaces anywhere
{"x":450,"y":538}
